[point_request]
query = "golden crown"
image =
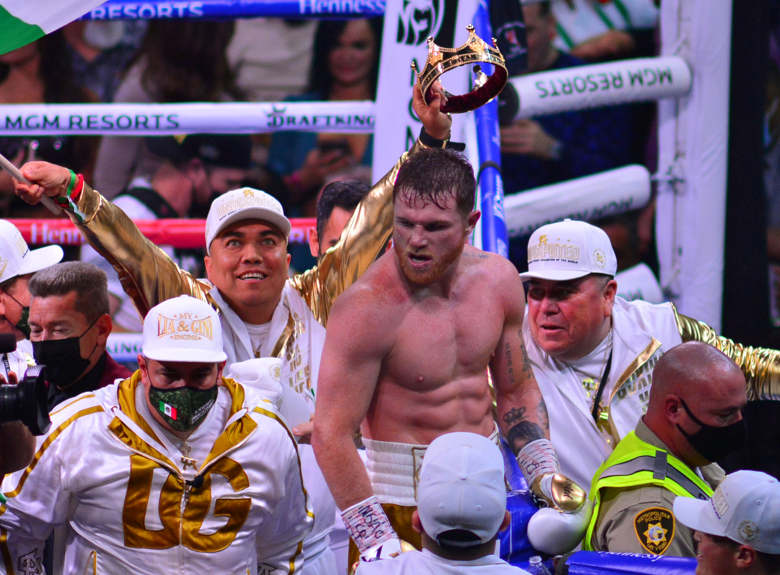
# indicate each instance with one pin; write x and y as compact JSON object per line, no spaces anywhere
{"x":474,"y":51}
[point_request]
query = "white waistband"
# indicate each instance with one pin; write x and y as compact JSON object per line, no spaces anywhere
{"x":394,"y":469}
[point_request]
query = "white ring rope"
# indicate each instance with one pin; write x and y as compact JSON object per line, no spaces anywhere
{"x":623,"y":82}
{"x":589,"y":198}
{"x":173,"y":119}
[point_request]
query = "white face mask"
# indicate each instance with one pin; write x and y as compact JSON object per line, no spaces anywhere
{"x":103,"y":35}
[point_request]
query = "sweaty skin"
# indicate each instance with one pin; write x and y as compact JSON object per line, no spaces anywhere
{"x":409,"y":360}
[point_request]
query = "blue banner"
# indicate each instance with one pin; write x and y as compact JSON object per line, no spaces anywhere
{"x":494,"y":234}
{"x":602,"y":563}
{"x":232,"y":9}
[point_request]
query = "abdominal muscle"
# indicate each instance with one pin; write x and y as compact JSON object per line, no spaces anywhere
{"x":418,"y":412}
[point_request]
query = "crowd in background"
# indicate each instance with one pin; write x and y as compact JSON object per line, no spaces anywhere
{"x":302,"y":60}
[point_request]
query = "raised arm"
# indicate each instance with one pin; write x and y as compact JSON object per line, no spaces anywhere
{"x":147,"y":274}
{"x":370,"y":227}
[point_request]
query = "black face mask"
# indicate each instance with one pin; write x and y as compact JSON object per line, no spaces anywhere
{"x":62,"y":358}
{"x":22,"y":325}
{"x":715,"y":443}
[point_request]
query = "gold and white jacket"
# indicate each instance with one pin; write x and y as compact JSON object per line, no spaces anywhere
{"x":114,"y":479}
{"x":641,"y":333}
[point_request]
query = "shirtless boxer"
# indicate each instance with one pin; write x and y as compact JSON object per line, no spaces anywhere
{"x":406,"y":360}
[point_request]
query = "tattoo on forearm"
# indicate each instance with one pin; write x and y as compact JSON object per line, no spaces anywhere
{"x":514,"y":415}
{"x":524,"y":433}
{"x":509,"y":369}
{"x":527,"y":369}
{"x":541,"y":413}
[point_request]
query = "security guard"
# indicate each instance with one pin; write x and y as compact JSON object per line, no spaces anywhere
{"x":693,"y":419}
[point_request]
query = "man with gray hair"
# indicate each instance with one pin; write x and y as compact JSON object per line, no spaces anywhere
{"x":69,"y":327}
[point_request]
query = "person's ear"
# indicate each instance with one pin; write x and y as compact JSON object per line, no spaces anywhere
{"x":472,"y":220}
{"x":104,"y":325}
{"x":416,"y":523}
{"x":745,"y":557}
{"x":143,"y":367}
{"x":207,"y":263}
{"x":673,"y":408}
{"x":220,"y":370}
{"x":314,"y":242}
{"x":610,"y":291}
{"x":505,"y":522}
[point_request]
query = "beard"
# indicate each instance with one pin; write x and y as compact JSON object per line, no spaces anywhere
{"x":434,"y":271}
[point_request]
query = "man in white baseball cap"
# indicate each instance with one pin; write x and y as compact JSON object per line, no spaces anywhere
{"x":738,"y":530}
{"x":461,"y":507}
{"x":263,"y":313}
{"x":593,"y":352}
{"x":17,"y":265}
{"x":175,"y":469}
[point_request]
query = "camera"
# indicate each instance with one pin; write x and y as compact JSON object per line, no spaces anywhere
{"x":27,"y":401}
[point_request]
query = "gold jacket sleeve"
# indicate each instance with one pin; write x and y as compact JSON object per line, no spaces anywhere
{"x":362,"y":241}
{"x":147,"y":274}
{"x":760,"y":365}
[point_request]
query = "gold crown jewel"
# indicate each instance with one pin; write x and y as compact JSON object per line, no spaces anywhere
{"x":474,"y":51}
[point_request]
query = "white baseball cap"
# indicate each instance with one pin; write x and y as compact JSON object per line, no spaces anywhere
{"x":244,"y":204}
{"x":462,"y":487}
{"x":569,"y":250}
{"x":745,"y":508}
{"x":183,"y":329}
{"x":17,"y":259}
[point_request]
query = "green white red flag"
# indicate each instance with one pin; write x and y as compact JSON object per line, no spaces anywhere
{"x":24,"y":21}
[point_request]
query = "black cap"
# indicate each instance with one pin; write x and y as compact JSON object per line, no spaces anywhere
{"x":225,"y":151}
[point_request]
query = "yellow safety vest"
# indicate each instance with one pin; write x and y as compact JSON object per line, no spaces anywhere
{"x":636,"y":463}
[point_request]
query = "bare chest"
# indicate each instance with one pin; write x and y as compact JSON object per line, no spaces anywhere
{"x":438,"y":342}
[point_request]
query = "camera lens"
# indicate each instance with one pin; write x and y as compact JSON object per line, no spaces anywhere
{"x":11,"y":405}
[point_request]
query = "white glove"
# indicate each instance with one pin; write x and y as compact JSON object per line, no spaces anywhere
{"x":539,"y":463}
{"x":554,"y":532}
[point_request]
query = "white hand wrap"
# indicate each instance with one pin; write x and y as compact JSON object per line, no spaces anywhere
{"x":368,"y":525}
{"x":537,"y":459}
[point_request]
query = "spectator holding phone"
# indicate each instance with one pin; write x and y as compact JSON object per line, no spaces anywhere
{"x":346,"y":61}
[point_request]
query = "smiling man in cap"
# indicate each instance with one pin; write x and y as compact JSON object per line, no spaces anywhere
{"x":175,"y":469}
{"x":18,"y":263}
{"x":262,"y":312}
{"x":593,"y":352}
{"x":738,"y":530}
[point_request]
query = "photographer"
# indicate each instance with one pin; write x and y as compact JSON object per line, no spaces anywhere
{"x":70,"y":325}
{"x":17,"y":264}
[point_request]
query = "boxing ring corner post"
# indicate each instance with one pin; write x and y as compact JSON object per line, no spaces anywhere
{"x":489,"y":181}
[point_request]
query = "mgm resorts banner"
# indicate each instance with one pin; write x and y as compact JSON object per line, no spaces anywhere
{"x":408,"y":24}
{"x":176,"y":119}
{"x":589,"y":198}
{"x":623,"y":82}
{"x":231,"y":9}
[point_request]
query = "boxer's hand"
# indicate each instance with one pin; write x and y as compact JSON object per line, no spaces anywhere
{"x":553,"y":532}
{"x":47,"y":179}
{"x":436,"y":122}
{"x":560,"y":492}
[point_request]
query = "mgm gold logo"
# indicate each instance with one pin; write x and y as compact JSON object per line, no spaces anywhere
{"x":185,"y":326}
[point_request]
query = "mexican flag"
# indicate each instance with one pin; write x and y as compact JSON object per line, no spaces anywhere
{"x":168,"y":410}
{"x":23,"y":21}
